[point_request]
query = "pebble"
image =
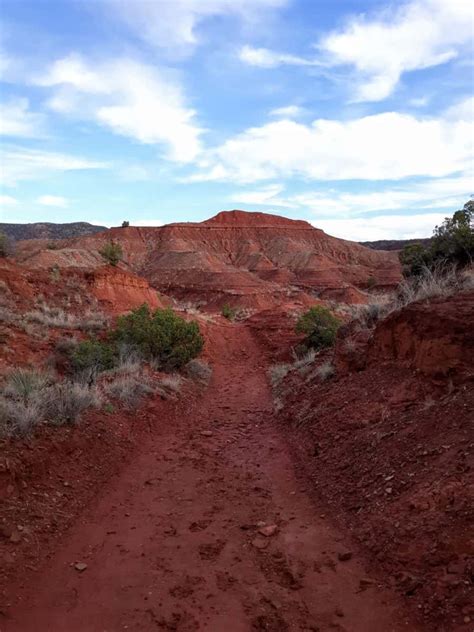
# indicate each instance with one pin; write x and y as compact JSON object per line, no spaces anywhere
{"x":207,"y":433}
{"x":269,"y":530}
{"x":345,"y":556}
{"x":80,"y":566}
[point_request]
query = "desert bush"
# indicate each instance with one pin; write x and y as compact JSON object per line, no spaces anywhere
{"x":130,"y":389}
{"x":161,"y":336}
{"x":229,"y":312}
{"x":125,"y":224}
{"x":325,"y":371}
{"x":64,"y":403}
{"x":112,"y":253}
{"x":199,"y":370}
{"x":91,"y":357}
{"x":320,"y":327}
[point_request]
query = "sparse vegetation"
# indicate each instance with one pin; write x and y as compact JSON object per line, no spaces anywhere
{"x":161,"y":336}
{"x":125,"y":224}
{"x":112,"y":253}
{"x":51,"y":316}
{"x":65,"y":402}
{"x":320,"y":327}
{"x":4,"y":245}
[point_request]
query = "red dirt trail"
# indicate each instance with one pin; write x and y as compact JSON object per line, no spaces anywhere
{"x":172,"y":544}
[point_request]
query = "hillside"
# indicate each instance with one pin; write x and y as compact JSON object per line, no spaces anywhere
{"x":48,"y":230}
{"x":394,"y":244}
{"x":246,"y":259}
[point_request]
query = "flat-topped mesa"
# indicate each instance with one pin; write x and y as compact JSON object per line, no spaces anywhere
{"x":254,"y":219}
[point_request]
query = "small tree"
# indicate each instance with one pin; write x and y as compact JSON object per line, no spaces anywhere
{"x":4,"y":245}
{"x":91,"y":357}
{"x":160,"y":335}
{"x":320,"y":326}
{"x":229,"y":312}
{"x":112,"y":253}
{"x":125,"y":224}
{"x":452,"y":243}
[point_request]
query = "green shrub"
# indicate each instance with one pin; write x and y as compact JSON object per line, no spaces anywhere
{"x":229,"y":312}
{"x":320,"y":326}
{"x":4,"y":245}
{"x":161,"y":336}
{"x":371,"y":282}
{"x":91,"y":357}
{"x":125,"y":224}
{"x":112,"y":253}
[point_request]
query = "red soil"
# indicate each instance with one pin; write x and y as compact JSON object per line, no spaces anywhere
{"x":389,"y":449}
{"x":173,"y":543}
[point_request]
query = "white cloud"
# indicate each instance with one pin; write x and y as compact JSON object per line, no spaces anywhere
{"x":412,"y":36}
{"x":174,"y":25}
{"x":266,"y":196}
{"x":381,"y":47}
{"x":389,"y":146}
{"x":289,"y":111}
{"x":266,"y":58}
{"x":129,"y":98}
{"x":20,"y":163}
{"x":434,"y":193}
{"x":17,"y":120}
{"x":53,"y":200}
{"x":7,"y":200}
{"x":381,"y":227}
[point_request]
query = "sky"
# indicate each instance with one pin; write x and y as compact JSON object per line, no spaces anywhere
{"x":355,"y":115}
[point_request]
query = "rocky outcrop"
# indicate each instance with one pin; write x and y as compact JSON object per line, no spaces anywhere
{"x":119,"y":290}
{"x":250,"y":259}
{"x":433,"y":336}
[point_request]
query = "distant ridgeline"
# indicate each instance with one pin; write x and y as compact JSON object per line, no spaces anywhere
{"x":394,"y":244}
{"x":46,"y":230}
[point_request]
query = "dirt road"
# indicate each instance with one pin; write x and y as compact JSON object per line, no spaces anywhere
{"x":173,"y":544}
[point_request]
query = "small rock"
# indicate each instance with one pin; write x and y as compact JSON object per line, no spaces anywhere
{"x":261,"y":523}
{"x":467,"y":619}
{"x":388,"y":490}
{"x":345,"y":556}
{"x":15,"y":537}
{"x":207,"y":433}
{"x":258,"y":543}
{"x":365,"y":582}
{"x":269,"y":530}
{"x":80,"y":566}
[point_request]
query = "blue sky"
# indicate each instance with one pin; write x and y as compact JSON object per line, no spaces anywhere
{"x":354,"y":115}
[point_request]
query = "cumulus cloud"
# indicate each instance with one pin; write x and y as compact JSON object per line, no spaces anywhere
{"x":381,"y":227}
{"x":129,"y":98}
{"x":21,"y":163}
{"x":174,"y":25}
{"x":424,"y":33}
{"x":53,"y":200}
{"x":17,"y":120}
{"x":389,"y":145}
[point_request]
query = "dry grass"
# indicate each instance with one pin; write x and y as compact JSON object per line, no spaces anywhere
{"x":199,"y":371}
{"x":64,"y":403}
{"x":278,"y":372}
{"x":130,"y":389}
{"x":51,"y":316}
{"x":325,"y":371}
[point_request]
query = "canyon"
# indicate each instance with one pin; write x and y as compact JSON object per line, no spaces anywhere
{"x":311,"y":502}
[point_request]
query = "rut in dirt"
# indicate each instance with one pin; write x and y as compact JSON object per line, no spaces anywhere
{"x":173,"y":543}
